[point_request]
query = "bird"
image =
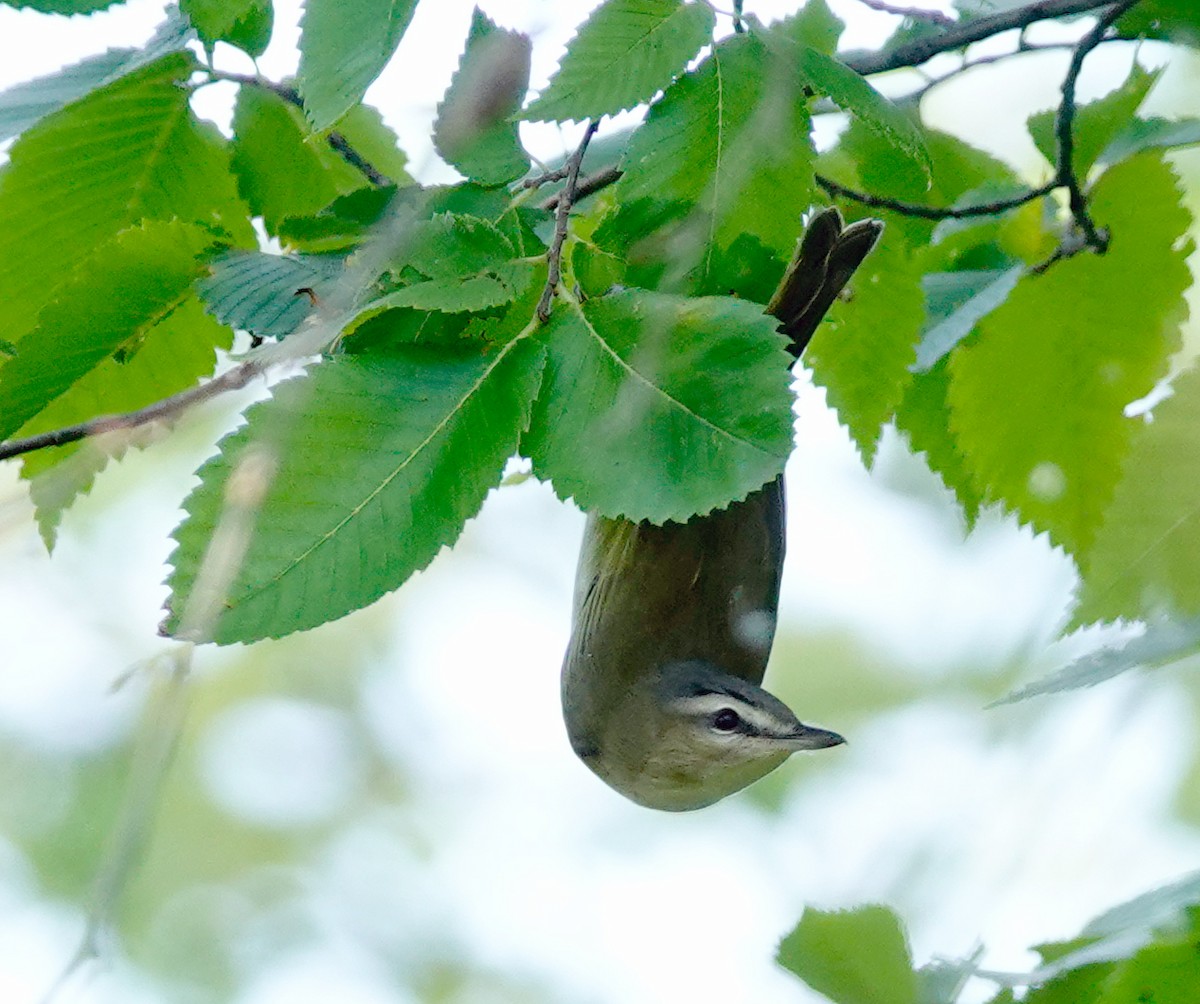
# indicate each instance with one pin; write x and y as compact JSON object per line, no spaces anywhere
{"x":673,"y":624}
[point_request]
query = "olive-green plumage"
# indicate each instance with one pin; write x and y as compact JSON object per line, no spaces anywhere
{"x":673,"y":624}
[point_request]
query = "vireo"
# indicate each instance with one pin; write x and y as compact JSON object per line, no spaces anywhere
{"x":673,"y":624}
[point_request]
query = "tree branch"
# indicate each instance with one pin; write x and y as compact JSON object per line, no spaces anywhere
{"x":935,"y":212}
{"x":562,"y":212}
{"x":337,"y":142}
{"x":164,"y":410}
{"x":964,"y":33}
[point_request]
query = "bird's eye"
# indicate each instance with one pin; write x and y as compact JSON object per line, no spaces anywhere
{"x":726,"y":720}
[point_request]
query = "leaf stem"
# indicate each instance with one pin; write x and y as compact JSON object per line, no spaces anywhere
{"x":564,"y":200}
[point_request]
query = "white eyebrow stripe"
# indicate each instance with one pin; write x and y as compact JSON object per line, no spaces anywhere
{"x":703,"y":705}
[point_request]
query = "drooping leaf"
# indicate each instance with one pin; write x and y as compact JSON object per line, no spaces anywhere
{"x":265,"y":294}
{"x":955,"y":302}
{"x":862,"y":354}
{"x":1038,"y":398}
{"x":244,"y":23}
{"x":344,"y":44}
{"x":174,"y":353}
{"x":1097,"y":123}
{"x":852,"y":957}
{"x":1163,"y":641}
{"x":136,"y":154}
{"x":1142,"y":562}
{"x":723,"y":154}
{"x":379,"y":460}
{"x":473,"y":131}
{"x":27,"y":103}
{"x":851,"y":92}
{"x":622,"y":55}
{"x":659,"y":407}
{"x":127,"y":287}
{"x":282,"y":173}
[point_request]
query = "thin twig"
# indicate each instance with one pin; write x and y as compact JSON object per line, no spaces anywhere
{"x":964,"y":33}
{"x":739,"y":25}
{"x":562,"y":212}
{"x":935,"y":17}
{"x":337,"y":142}
{"x":1064,"y":123}
{"x":164,"y":410}
{"x":538,"y":180}
{"x":935,"y":212}
{"x":589,"y":185}
{"x":995,"y":57}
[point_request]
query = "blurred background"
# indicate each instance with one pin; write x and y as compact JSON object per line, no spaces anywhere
{"x":386,"y":809}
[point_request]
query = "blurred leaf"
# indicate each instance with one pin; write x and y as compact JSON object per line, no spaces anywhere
{"x":1038,"y":397}
{"x":344,"y":44}
{"x":262,"y":293}
{"x":136,"y":154}
{"x":111,"y":301}
{"x":942,"y":981}
{"x":244,"y":23}
{"x":622,"y":55}
{"x":852,"y":957}
{"x":340,"y":226}
{"x":420,"y":435}
{"x":63,"y":6}
{"x":283,"y":173}
{"x":1142,"y":562}
{"x":473,"y":131}
{"x":861,"y":355}
{"x":175,"y":353}
{"x":23,"y":105}
{"x":1173,"y":20}
{"x":1162,"y":642}
{"x":814,"y":26}
{"x":923,"y":414}
{"x":954,"y":303}
{"x":1150,"y":134}
{"x":1097,"y":123}
{"x":498,"y":285}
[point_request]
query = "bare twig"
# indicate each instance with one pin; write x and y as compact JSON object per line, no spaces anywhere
{"x":562,"y":212}
{"x":337,"y":142}
{"x":996,"y":57}
{"x":935,"y":212}
{"x":739,"y":26}
{"x":164,"y":410}
{"x":1065,"y":120}
{"x":915,"y":13}
{"x":538,"y":180}
{"x":964,"y":33}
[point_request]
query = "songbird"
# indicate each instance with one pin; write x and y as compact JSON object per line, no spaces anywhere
{"x":673,"y":624}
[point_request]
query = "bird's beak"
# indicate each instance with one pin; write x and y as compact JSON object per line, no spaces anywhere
{"x":808,"y":737}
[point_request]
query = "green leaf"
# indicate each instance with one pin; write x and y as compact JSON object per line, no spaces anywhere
{"x":173,"y":355}
{"x":419,"y":436}
{"x":136,"y":154}
{"x":282,"y":173}
{"x":661,"y":407}
{"x":1097,"y":123}
{"x":924,"y":416}
{"x":344,"y":44}
{"x":265,"y":293}
{"x":496,"y":286}
{"x":1162,"y":642}
{"x":851,"y":92}
{"x":457,"y":244}
{"x":128,"y":286}
{"x":863,"y":354}
{"x":244,"y":23}
{"x":1142,"y":562}
{"x":1165,"y":973}
{"x":955,"y":302}
{"x":1140,"y":135}
{"x":474,"y":131}
{"x":814,"y":26}
{"x":1038,"y":398}
{"x":942,"y":981}
{"x":1173,"y":20}
{"x":622,"y":55}
{"x":27,"y":103}
{"x":725,"y":153}
{"x":852,"y":957}
{"x":63,"y":6}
